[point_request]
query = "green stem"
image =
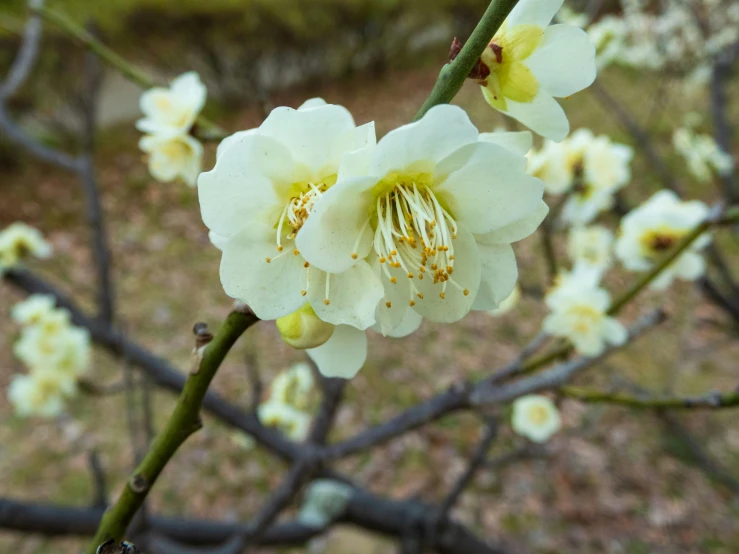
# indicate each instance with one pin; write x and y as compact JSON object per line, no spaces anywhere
{"x":452,"y":75}
{"x":184,"y":421}
{"x":712,"y":401}
{"x":204,"y":129}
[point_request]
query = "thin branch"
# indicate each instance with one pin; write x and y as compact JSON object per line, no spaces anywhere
{"x":26,"y":57}
{"x":452,"y":76}
{"x":100,"y":488}
{"x":333,"y":391}
{"x":711,"y":401}
{"x":184,"y":421}
{"x":721,"y":120}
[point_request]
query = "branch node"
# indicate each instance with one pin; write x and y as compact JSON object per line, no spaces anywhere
{"x":139,"y":484}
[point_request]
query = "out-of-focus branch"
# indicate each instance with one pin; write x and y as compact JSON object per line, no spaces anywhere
{"x":640,"y":135}
{"x":333,"y":391}
{"x":452,"y":76}
{"x":158,"y":369}
{"x":711,"y":401}
{"x":100,"y":488}
{"x":26,"y":57}
{"x":204,"y":129}
{"x":721,"y":121}
{"x":184,"y":421}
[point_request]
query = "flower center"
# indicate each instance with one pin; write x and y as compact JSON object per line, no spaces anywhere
{"x":584,"y":318}
{"x":415,"y":233}
{"x":538,"y":415}
{"x":657,"y":241}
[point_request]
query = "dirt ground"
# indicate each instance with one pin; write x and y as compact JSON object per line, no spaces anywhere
{"x":612,"y":481}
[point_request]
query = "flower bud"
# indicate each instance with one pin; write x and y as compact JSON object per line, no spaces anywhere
{"x":303,"y":329}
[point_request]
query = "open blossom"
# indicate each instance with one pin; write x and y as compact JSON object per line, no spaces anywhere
{"x":434,"y":210}
{"x":535,"y":417}
{"x":649,"y":231}
{"x":169,"y":114}
{"x":608,"y":34}
{"x":703,"y":156}
{"x":33,"y":309}
{"x":591,"y":246}
{"x":528,"y":63}
{"x":293,"y":386}
{"x":19,"y":241}
{"x":579,"y":312}
{"x":258,"y":199}
{"x":42,"y":393}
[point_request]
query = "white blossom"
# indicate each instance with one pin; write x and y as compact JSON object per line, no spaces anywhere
{"x":19,"y":241}
{"x":34,"y":309}
{"x":703,"y":156}
{"x":293,"y":386}
{"x":173,"y":155}
{"x":288,"y":419}
{"x":591,"y":246}
{"x":535,"y":417}
{"x":260,"y":195}
{"x":652,"y":229}
{"x":42,"y":393}
{"x":530,"y":62}
{"x":579,"y":312}
{"x":434,"y":210}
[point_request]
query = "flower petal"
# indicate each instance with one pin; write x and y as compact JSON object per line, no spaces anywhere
{"x":315,"y":137}
{"x":455,"y":304}
{"x":517,"y":230}
{"x":272,"y":289}
{"x":417,"y":147}
{"x":517,"y":82}
{"x":518,"y":142}
{"x":393,"y":308}
{"x":533,"y":12}
{"x":240,"y":189}
{"x":543,"y":115}
{"x":359,"y":145}
{"x":353,"y":295}
{"x":332,"y":232}
{"x":343,"y":355}
{"x":498,"y":275}
{"x":564,"y":63}
{"x":486,"y":187}
{"x":410,"y":322}
{"x":312,"y":103}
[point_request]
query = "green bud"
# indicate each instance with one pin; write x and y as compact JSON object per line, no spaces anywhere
{"x":303,"y":329}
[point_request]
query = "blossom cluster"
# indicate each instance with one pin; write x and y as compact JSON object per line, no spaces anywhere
{"x":169,"y":114}
{"x":681,"y":36}
{"x":703,"y":156}
{"x":287,"y":406}
{"x":19,"y":241}
{"x":55,"y":352}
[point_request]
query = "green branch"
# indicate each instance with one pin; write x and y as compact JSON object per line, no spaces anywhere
{"x":452,"y":75}
{"x":183,"y":422}
{"x":712,"y":401}
{"x":203,"y":129}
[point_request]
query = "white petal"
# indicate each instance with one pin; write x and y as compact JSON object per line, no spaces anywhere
{"x":329,"y":237}
{"x":455,"y":304}
{"x":312,"y":103}
{"x":343,"y":355}
{"x":189,"y":90}
{"x":359,"y":145}
{"x":240,"y":189}
{"x":353,"y":296}
{"x":690,"y":266}
{"x":543,"y":115}
{"x":498,"y":275}
{"x":533,"y":12}
{"x":315,"y":137}
{"x":489,"y":189}
{"x":518,"y":142}
{"x":272,"y":289}
{"x":564,"y":62}
{"x":419,"y":146}
{"x":519,"y":229}
{"x":614,"y":332}
{"x":396,"y":294}
{"x":410,"y":322}
{"x":217,"y":240}
{"x":233,"y":139}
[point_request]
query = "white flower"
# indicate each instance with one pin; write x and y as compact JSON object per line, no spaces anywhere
{"x":605,"y":168}
{"x":555,"y":165}
{"x":530,"y":63}
{"x":324,"y":500}
{"x":34,"y":309}
{"x":18,"y":241}
{"x":174,"y":108}
{"x":42,"y":393}
{"x":507,"y":304}
{"x":293,"y":386}
{"x":591,"y":246}
{"x":579,"y":313}
{"x":260,"y":195}
{"x":652,"y":229}
{"x":535,"y":417}
{"x":173,"y":155}
{"x":703,"y":156}
{"x":169,"y":116}
{"x":291,"y":421}
{"x":435,"y":209}
{"x":609,"y":37}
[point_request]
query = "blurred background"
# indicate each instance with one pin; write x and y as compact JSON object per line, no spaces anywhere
{"x":614,"y":480}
